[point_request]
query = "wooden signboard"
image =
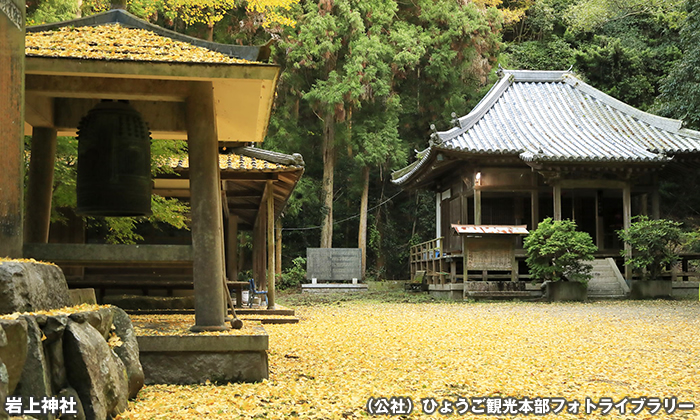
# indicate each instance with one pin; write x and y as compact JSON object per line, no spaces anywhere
{"x":489,"y":253}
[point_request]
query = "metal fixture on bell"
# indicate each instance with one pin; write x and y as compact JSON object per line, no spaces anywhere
{"x":114,"y":162}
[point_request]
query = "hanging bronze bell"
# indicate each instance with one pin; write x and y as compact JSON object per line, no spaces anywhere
{"x":114,"y":162}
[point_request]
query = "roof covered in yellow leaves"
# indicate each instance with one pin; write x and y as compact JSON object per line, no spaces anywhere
{"x":118,"y":35}
{"x":249,"y":159}
{"x":116,"y":42}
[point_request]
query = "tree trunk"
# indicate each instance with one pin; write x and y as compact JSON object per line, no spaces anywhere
{"x":381,"y":260}
{"x":329,"y":152}
{"x":210,"y":31}
{"x":362,"y":234}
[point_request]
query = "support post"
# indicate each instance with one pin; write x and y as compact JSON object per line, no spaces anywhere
{"x":655,"y":212}
{"x":626,"y":222}
{"x":232,"y":255}
{"x":534,"y":208}
{"x":599,"y":234}
{"x":477,"y":206}
{"x":278,"y":246}
{"x":207,"y":223}
{"x":40,"y":185}
{"x":270,"y":199}
{"x":556,"y":192}
{"x":11,"y":127}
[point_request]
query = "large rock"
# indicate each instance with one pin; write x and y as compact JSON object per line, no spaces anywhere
{"x":53,"y":329}
{"x":13,"y":349}
{"x":100,"y":319}
{"x":4,"y":379}
{"x":30,"y":287}
{"x":69,"y":393}
{"x":128,"y":351}
{"x":95,"y":371}
{"x":35,"y":380}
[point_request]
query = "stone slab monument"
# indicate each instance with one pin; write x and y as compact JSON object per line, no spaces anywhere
{"x":11,"y":126}
{"x":330,"y":269}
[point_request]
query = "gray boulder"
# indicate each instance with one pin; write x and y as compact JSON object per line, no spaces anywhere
{"x":53,"y":349}
{"x":68,"y":393}
{"x":4,"y":379}
{"x":29,"y":287}
{"x":100,"y":319}
{"x":35,"y":380}
{"x":13,"y":349}
{"x":96,"y":373}
{"x":128,"y":352}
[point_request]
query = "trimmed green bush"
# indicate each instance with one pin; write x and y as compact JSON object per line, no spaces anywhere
{"x":654,"y":245}
{"x":556,"y":251}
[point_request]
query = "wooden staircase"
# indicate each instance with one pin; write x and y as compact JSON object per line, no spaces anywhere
{"x":607,"y":281}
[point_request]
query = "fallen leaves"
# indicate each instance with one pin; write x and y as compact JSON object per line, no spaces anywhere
{"x":84,"y":307}
{"x":180,"y":325}
{"x":116,"y":42}
{"x":328,"y":366}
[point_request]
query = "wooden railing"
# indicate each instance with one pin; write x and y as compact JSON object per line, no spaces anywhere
{"x":427,"y":256}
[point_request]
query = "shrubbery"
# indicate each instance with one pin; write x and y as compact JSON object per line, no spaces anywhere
{"x":556,"y":251}
{"x":655,"y":245}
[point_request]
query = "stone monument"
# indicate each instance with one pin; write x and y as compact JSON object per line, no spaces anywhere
{"x":333,"y":269}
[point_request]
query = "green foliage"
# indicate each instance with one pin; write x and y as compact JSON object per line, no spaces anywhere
{"x":654,"y":245}
{"x":52,"y":11}
{"x":294,"y":276}
{"x":556,"y":251}
{"x":680,"y":91}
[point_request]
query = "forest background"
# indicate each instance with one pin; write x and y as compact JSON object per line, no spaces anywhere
{"x":362,"y":81}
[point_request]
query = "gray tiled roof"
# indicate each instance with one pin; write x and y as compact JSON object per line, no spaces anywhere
{"x":555,"y":117}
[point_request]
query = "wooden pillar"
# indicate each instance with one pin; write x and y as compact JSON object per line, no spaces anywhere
{"x":207,"y":218}
{"x":477,"y":206}
{"x":556,"y":194}
{"x":278,"y":246}
{"x":655,"y":212}
{"x":11,"y":127}
{"x":40,"y":185}
{"x":644,"y":204}
{"x":270,"y":199}
{"x":626,"y":222}
{"x":232,"y":247}
{"x":535,"y":208}
{"x":599,"y":233}
{"x":258,"y":252}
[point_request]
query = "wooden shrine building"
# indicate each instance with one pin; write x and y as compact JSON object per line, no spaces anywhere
{"x":542,"y":144}
{"x":213,"y":95}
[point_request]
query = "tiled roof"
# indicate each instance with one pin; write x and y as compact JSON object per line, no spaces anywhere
{"x":491,"y":229}
{"x":248,"y":159}
{"x":564,"y":119}
{"x":116,"y":42}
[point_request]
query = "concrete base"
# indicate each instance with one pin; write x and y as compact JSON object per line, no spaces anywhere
{"x":559,"y":291}
{"x":686,"y":290}
{"x":651,"y":289}
{"x":449,"y":291}
{"x":191,"y":359}
{"x":333,"y":288}
{"x":80,"y":296}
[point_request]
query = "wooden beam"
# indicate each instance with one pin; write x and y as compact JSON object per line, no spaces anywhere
{"x":207,"y":229}
{"x":149,"y":70}
{"x":165,"y":119}
{"x":106,"y":88}
{"x":591,"y":183}
{"x":99,"y":254}
{"x":40,"y":185}
{"x":38,"y":111}
{"x":270,"y":201}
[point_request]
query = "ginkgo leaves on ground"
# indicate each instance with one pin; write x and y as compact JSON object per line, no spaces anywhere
{"x":338,"y":356}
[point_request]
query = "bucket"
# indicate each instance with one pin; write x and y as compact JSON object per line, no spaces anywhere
{"x":245,"y":297}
